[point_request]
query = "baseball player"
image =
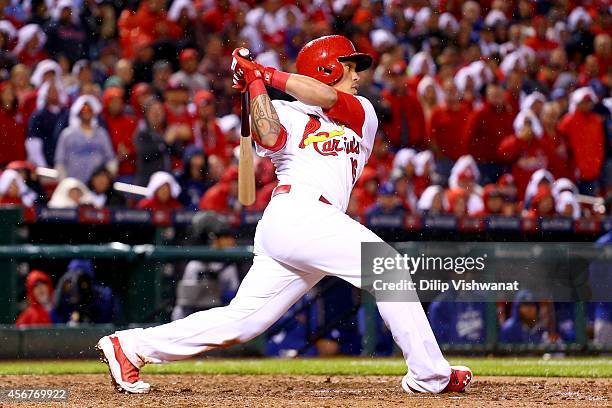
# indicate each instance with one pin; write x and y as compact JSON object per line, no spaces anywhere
{"x":319,"y":145}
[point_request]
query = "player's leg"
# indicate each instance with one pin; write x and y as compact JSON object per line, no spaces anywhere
{"x":265,"y":294}
{"x":324,"y":239}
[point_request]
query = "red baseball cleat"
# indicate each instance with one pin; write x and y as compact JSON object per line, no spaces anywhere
{"x":125,"y":376}
{"x":460,"y":379}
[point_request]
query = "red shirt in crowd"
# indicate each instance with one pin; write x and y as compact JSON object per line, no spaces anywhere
{"x":585,"y":136}
{"x":181,"y":117}
{"x":406,"y":113}
{"x":213,"y":139}
{"x":215,"y":18}
{"x":560,"y":164}
{"x":363,"y":196}
{"x":12,"y":131}
{"x":220,"y":197}
{"x":485,"y":130}
{"x":35,"y":313}
{"x":445,"y":130}
{"x":121,"y":129}
{"x":526,"y":157}
{"x":144,"y":26}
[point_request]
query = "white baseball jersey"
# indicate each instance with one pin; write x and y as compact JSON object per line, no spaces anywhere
{"x":322,"y":153}
{"x":298,"y":242}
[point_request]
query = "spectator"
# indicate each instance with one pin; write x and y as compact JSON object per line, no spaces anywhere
{"x":70,"y":193}
{"x":431,"y":201}
{"x":162,"y":193}
{"x":103,"y":194}
{"x":424,"y":171}
{"x":523,"y":325}
{"x":30,"y":177}
{"x":192,"y":178}
{"x":141,"y":93}
{"x":7,"y":36}
{"x":223,"y":196}
{"x":542,"y":204}
{"x":162,"y":71}
{"x":580,"y":43}
{"x":445,"y":129}
{"x":404,"y":160}
{"x":584,"y":132}
{"x":121,"y":128}
{"x":525,"y":150}
{"x":179,"y":119}
{"x":20,"y":79}
{"x":465,"y":176}
{"x":39,"y":292}
{"x":540,"y":43}
{"x":84,"y":145}
{"x":365,"y":190}
{"x":404,"y":188}
{"x":184,"y":14}
{"x":12,"y":126}
{"x":66,"y":36}
{"x":149,"y":23}
{"x":493,"y":201}
{"x":14,"y":191}
{"x":205,"y":285}
{"x":559,"y":161}
{"x":538,"y":178}
{"x":188,"y":74}
{"x":30,"y":42}
{"x":265,"y":182}
{"x":80,"y":299}
{"x":207,"y":131}
{"x":430,"y":95}
{"x":485,"y":130}
{"x":46,"y":70}
{"x":456,"y":202}
{"x":407,"y":125}
{"x":155,"y":144}
{"x":508,"y":190}
{"x":50,"y":108}
{"x":123,"y":76}
{"x":387,"y":202}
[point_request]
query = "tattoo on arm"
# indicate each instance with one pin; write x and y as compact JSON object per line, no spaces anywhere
{"x":265,"y":119}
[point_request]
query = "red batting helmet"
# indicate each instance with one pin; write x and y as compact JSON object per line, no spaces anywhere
{"x":321,"y":58}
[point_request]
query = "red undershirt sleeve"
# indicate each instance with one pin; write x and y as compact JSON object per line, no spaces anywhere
{"x":348,"y":111}
{"x":280,"y":141}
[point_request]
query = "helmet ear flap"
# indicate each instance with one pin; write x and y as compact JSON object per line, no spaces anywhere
{"x":332,"y":72}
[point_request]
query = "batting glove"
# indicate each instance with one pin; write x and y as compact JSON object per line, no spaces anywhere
{"x":244,"y":69}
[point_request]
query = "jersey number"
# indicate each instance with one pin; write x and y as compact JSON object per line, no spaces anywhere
{"x":354,"y":168}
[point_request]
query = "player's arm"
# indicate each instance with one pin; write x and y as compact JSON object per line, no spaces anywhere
{"x":268,"y":131}
{"x":303,"y":88}
{"x":339,"y":106}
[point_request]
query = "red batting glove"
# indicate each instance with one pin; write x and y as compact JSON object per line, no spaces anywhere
{"x":244,"y":69}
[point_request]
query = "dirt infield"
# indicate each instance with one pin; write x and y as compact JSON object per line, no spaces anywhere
{"x":94,"y":390}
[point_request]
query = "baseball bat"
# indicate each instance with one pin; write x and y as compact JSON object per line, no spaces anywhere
{"x":246,"y":172}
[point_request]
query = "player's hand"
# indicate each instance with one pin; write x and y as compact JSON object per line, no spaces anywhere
{"x":244,"y":69}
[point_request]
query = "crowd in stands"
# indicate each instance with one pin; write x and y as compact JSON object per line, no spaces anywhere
{"x":77,"y":298}
{"x":489,"y":107}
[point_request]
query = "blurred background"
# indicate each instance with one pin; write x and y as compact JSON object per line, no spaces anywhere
{"x":118,"y":135}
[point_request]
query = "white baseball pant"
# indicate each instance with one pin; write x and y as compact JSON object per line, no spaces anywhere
{"x":298,"y":241}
